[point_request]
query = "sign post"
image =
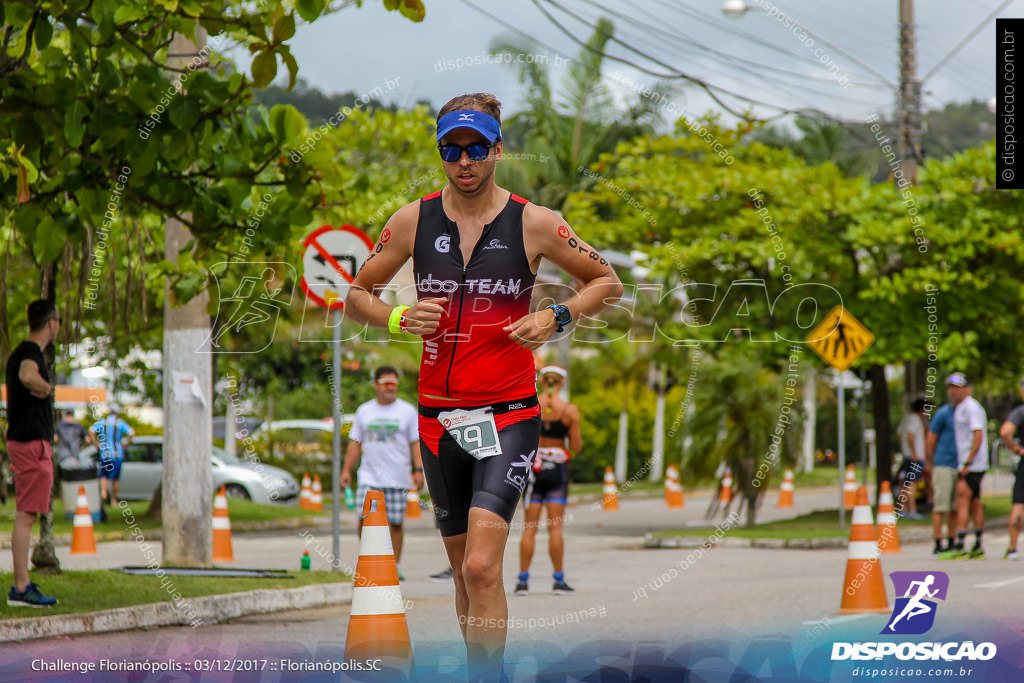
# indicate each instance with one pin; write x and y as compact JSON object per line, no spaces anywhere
{"x":840,"y":339}
{"x":329,"y":265}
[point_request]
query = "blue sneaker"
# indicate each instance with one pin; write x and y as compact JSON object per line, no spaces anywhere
{"x":30,"y":597}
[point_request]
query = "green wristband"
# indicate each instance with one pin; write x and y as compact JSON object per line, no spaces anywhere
{"x":396,"y":316}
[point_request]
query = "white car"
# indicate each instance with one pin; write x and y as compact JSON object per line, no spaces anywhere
{"x":311,"y":438}
{"x":143,"y":469}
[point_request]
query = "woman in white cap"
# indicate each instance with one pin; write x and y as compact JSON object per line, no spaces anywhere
{"x":559,"y":439}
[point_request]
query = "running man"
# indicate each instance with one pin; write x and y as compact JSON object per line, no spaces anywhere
{"x":475,"y":249}
{"x":1011,"y":432}
{"x":914,"y":606}
{"x":560,"y":422}
{"x":111,"y":435}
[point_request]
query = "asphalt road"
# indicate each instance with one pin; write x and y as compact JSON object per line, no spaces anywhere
{"x":629,"y":602}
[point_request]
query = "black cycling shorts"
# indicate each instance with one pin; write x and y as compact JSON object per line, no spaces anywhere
{"x":551,"y":483}
{"x":1018,"y":484}
{"x":458,"y":481}
{"x":973,"y":480}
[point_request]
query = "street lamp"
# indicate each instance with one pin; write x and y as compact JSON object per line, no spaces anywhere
{"x":735,"y":8}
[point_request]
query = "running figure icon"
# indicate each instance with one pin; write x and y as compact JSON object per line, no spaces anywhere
{"x":915,"y":606}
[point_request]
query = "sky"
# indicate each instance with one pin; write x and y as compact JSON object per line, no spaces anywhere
{"x":837,"y":57}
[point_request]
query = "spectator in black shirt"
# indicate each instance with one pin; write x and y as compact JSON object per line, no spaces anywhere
{"x":29,"y":433}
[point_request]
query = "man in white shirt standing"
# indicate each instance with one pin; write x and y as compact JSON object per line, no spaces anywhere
{"x":385,"y":434}
{"x":969,"y":429}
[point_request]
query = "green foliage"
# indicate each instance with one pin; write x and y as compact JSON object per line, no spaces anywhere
{"x":737,"y":410}
{"x":558,"y":134}
{"x":106,"y":135}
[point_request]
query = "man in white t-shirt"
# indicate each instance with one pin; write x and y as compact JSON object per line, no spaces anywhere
{"x":911,"y":431}
{"x":969,"y":429}
{"x":385,"y":434}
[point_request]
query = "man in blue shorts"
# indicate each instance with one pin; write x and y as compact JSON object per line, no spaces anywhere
{"x":111,"y":435}
{"x":476,"y":249}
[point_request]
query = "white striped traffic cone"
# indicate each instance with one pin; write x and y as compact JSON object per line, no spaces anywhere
{"x":725,"y":495}
{"x":316,"y":499}
{"x":412,"y":504}
{"x":82,"y":540}
{"x":673,"y":489}
{"x":786,"y":490}
{"x":377,"y":627}
{"x":864,"y":585}
{"x":610,"y":495}
{"x":888,"y":535}
{"x":849,"y":488}
{"x":222,"y":551}
{"x":306,"y":494}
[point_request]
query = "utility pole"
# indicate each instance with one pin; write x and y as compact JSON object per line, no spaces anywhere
{"x":910,"y":125}
{"x":187,"y":496}
{"x":910,"y":95}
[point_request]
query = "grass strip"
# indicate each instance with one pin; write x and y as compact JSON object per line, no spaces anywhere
{"x":100,"y":589}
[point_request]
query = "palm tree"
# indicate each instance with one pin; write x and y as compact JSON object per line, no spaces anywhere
{"x":566,"y":132}
{"x":738,"y":401}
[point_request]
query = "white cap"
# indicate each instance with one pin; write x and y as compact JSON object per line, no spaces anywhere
{"x":553,"y":369}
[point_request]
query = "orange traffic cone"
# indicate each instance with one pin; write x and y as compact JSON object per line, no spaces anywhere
{"x":673,"y":489}
{"x":221,"y":528}
{"x":786,"y":490}
{"x":316,"y":498}
{"x":306,"y":494}
{"x":377,"y":627}
{"x":610,"y":496}
{"x":849,"y":488}
{"x":864,"y":586}
{"x":888,"y":535}
{"x":725,"y":495}
{"x":82,"y":540}
{"x":412,"y":504}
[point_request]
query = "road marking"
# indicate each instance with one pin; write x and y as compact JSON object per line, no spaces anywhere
{"x":999,"y":584}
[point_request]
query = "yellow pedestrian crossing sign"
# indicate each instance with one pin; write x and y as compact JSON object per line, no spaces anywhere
{"x":840,"y":339}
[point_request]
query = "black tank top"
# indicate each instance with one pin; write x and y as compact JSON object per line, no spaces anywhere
{"x":554,"y":430}
{"x":470,"y":357}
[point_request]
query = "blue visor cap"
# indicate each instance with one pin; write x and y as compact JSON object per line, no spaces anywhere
{"x":957,"y":379}
{"x":485,"y":124}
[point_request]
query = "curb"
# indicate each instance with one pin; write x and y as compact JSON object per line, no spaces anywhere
{"x":308,"y":522}
{"x":208,"y":609}
{"x":907,"y":535}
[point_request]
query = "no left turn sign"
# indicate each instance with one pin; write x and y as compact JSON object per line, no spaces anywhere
{"x":330,"y":262}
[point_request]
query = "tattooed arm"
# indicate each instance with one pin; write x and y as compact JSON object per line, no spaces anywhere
{"x":546,"y":234}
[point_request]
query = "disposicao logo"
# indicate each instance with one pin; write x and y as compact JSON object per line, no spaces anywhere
{"x":914,"y":612}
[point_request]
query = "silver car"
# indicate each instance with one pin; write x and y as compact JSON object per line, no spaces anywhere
{"x":143,"y":469}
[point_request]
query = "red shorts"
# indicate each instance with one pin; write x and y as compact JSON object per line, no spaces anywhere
{"x":32,"y":462}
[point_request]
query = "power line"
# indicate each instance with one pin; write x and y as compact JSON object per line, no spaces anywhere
{"x":700,"y":16}
{"x":674,"y":73}
{"x":967,"y":39}
{"x":725,"y":56}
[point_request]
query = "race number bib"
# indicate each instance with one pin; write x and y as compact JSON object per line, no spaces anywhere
{"x":474,"y":430}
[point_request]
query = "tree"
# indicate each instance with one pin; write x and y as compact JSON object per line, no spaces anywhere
{"x":85,"y":87}
{"x":737,"y":417}
{"x":564,"y":134}
{"x":767,"y":230}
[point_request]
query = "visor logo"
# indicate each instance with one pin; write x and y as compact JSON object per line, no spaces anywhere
{"x":466,"y":116}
